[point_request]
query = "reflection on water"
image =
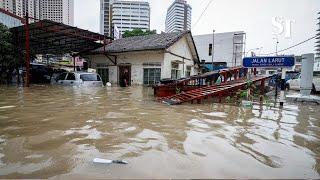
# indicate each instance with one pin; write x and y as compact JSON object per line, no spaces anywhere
{"x":56,"y":132}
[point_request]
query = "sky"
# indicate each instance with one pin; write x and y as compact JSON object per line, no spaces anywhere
{"x":254,"y":17}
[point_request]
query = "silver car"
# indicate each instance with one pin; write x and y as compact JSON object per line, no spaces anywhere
{"x":79,"y":79}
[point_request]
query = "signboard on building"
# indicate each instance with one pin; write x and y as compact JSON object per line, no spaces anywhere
{"x":269,"y":62}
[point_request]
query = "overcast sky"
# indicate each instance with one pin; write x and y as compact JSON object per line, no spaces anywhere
{"x":252,"y":16}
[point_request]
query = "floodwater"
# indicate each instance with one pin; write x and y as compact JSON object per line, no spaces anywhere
{"x":56,"y":132}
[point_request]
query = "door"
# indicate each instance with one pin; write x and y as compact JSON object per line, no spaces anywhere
{"x":125,"y":75}
{"x":104,"y":74}
{"x":70,"y":80}
{"x":295,"y":83}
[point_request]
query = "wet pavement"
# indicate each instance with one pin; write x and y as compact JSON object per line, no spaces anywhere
{"x":56,"y":132}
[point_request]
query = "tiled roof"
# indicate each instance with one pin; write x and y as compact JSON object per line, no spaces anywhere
{"x":142,"y":43}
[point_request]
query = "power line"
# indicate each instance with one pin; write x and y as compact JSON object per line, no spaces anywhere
{"x":292,"y":46}
{"x":195,"y":24}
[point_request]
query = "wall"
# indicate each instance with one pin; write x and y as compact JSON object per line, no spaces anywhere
{"x":180,"y":48}
{"x":136,"y":59}
{"x":223,"y":48}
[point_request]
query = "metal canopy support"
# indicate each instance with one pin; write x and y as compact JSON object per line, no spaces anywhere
{"x":27,"y":44}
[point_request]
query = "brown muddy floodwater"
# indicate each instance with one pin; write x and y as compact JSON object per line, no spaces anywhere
{"x":56,"y":132}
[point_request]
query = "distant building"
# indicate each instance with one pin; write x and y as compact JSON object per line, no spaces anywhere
{"x":228,"y":49}
{"x":145,"y":60}
{"x":178,"y":16}
{"x":61,"y":11}
{"x":105,"y":20}
{"x":318,"y":38}
{"x":9,"y":19}
{"x":58,"y":10}
{"x":124,"y":15}
{"x":129,"y":15}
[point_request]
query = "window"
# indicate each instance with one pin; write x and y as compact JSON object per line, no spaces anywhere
{"x":175,"y":72}
{"x":71,"y":77}
{"x":90,"y":77}
{"x":188,"y":71}
{"x":151,"y":76}
{"x":62,"y":76}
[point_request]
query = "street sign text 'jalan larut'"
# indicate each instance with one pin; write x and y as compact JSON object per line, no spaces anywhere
{"x":269,"y":62}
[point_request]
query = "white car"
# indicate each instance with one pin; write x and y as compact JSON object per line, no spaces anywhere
{"x":294,"y":83}
{"x":79,"y":79}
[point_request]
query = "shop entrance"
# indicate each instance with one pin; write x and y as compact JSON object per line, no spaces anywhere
{"x":125,"y":75}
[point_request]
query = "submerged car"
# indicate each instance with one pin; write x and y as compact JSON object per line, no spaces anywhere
{"x":79,"y":79}
{"x":294,"y":83}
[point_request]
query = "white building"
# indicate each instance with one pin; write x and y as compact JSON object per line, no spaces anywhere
{"x":228,"y":48}
{"x":61,"y":11}
{"x":318,"y":38}
{"x":144,"y":60}
{"x":105,"y":20}
{"x":129,"y":15}
{"x":9,"y":19}
{"x":178,"y":16}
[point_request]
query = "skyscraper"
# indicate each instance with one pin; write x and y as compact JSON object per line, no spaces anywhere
{"x":105,"y":17}
{"x":125,"y":15}
{"x":56,"y":10}
{"x":178,"y":16}
{"x":318,"y":37}
{"x":129,"y":15}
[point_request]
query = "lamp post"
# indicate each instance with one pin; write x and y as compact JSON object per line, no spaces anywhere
{"x":212,"y":54}
{"x":276,"y":38}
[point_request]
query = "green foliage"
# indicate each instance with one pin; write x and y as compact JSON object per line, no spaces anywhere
{"x":138,"y":32}
{"x":6,"y":46}
{"x":10,"y":56}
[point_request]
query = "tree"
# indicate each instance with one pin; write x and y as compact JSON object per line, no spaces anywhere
{"x":138,"y":32}
{"x":10,"y":56}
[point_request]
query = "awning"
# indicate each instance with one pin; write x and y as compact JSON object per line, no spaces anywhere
{"x":49,"y":37}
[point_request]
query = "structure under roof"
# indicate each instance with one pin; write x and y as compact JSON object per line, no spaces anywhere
{"x":49,"y":37}
{"x":148,"y":43}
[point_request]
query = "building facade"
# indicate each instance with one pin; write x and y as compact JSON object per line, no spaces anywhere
{"x":9,"y":19}
{"x":178,"y":16}
{"x":105,"y":20}
{"x":155,"y":57}
{"x":129,"y":15}
{"x":61,"y":11}
{"x":227,"y":51}
{"x":318,"y":38}
{"x":124,"y":15}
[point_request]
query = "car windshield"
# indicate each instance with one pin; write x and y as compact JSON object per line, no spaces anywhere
{"x":90,"y":77}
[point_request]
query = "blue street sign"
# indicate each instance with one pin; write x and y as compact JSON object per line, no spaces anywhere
{"x":265,"y":62}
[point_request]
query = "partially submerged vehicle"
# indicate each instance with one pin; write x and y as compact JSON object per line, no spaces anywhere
{"x":79,"y":79}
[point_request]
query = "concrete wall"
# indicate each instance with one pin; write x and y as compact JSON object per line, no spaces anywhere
{"x":224,"y":47}
{"x":180,"y":48}
{"x":137,"y":59}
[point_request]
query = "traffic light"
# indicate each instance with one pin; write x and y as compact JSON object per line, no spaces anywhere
{"x":210,"y":49}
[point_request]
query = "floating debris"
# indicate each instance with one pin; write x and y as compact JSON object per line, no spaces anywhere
{"x":107,"y":161}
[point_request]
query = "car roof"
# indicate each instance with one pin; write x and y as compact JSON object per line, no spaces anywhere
{"x":83,"y":73}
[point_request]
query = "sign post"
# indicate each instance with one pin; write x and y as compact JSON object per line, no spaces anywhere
{"x":272,"y":62}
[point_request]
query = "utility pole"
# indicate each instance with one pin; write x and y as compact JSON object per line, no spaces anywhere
{"x":27,"y":43}
{"x":212,"y":54}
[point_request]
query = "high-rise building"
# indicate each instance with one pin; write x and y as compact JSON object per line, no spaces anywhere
{"x":56,"y":10}
{"x":129,"y":15}
{"x":178,"y":16}
{"x":318,"y":38}
{"x":125,"y":15}
{"x":105,"y":17}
